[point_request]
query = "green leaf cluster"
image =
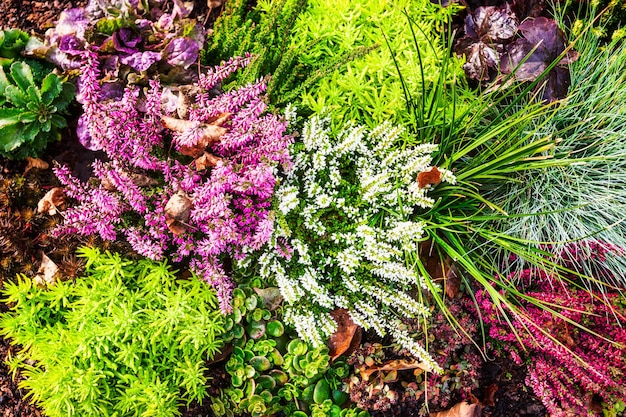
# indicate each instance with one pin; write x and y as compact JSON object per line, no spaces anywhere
{"x":129,"y":339}
{"x":272,"y":370}
{"x":31,"y":114}
{"x":12,"y":42}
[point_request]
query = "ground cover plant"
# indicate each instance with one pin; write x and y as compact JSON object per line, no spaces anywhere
{"x":366,"y":221}
{"x":128,"y":338}
{"x":567,"y":366}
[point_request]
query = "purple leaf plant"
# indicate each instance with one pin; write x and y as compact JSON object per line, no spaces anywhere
{"x":495,"y":44}
{"x":573,"y":340}
{"x":226,"y":208}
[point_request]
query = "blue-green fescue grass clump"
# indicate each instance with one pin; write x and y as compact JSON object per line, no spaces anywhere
{"x":128,"y":339}
{"x":344,"y":222}
{"x":584,"y":198}
{"x":368,"y":90}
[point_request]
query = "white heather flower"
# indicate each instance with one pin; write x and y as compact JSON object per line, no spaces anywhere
{"x":352,"y":284}
{"x":395,"y":272}
{"x":406,"y":305}
{"x":385,"y":135}
{"x":407,"y":342}
{"x":348,"y":260}
{"x":371,"y":318}
{"x":375,"y":185}
{"x":323,"y":200}
{"x":265,"y":262}
{"x":288,"y":289}
{"x":447,"y":176}
{"x":315,"y":134}
{"x":334,"y":176}
{"x":407,"y":233}
{"x":303,"y":251}
{"x":287,"y":199}
{"x":309,"y":281}
{"x":350,"y":141}
{"x":318,"y":162}
{"x":417,"y":196}
{"x":291,"y":113}
{"x":313,"y":189}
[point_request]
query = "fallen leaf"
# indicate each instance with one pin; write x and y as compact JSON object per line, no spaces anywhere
{"x":47,"y":272}
{"x":489,"y":395}
{"x":35,"y":163}
{"x":194,"y":137}
{"x":347,"y":336}
{"x":460,"y":410}
{"x":270,"y":296}
{"x":440,"y":269}
{"x":394,"y":365}
{"x":426,"y":178}
{"x":206,"y":161}
{"x":141,"y":180}
{"x":177,"y":211}
{"x":53,"y":199}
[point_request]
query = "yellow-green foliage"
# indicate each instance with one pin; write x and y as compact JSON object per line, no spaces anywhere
{"x":369,"y":90}
{"x":128,"y":339}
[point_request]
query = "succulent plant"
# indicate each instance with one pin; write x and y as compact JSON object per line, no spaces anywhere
{"x":272,"y":370}
{"x":30,"y":114}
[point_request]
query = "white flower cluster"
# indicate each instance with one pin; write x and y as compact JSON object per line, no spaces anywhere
{"x":345,"y":217}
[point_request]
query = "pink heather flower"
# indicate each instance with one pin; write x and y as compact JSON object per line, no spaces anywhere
{"x":554,"y":344}
{"x":230,"y":203}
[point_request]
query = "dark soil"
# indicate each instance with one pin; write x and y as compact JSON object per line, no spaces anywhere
{"x":512,"y":399}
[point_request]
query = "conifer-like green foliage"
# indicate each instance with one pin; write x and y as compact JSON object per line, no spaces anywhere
{"x":266,"y":32}
{"x":129,"y":339}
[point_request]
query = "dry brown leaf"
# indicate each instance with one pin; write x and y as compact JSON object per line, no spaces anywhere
{"x":141,"y":180}
{"x":206,"y":161}
{"x":35,"y":163}
{"x":394,"y":365}
{"x":426,"y":178}
{"x":208,"y":133}
{"x":346,"y":338}
{"x":51,"y":201}
{"x":271,"y":297}
{"x":177,"y":211}
{"x":178,"y":125}
{"x":460,"y":410}
{"x":440,"y":270}
{"x":489,"y":395}
{"x":214,"y":4}
{"x":47,"y":273}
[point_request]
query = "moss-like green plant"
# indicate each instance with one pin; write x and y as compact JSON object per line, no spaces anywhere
{"x":369,"y":90}
{"x":272,"y":370}
{"x":30,"y":114}
{"x":129,"y":339}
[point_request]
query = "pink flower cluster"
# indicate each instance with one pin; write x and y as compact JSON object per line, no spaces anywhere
{"x":229,"y":210}
{"x":574,"y":340}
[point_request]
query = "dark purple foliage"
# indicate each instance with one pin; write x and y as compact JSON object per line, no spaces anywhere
{"x":494,"y":43}
{"x":126,"y":40}
{"x":181,"y":52}
{"x":528,"y":57}
{"x":160,"y":33}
